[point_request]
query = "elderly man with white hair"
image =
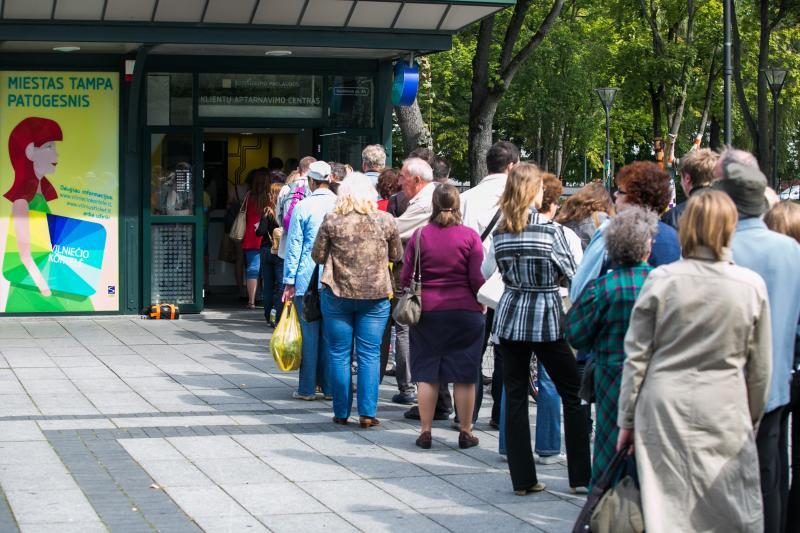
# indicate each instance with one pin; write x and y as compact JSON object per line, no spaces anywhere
{"x":775,"y":258}
{"x":373,"y":161}
{"x":416,"y":182}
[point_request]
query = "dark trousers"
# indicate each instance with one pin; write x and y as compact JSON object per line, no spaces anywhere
{"x":560,"y":364}
{"x":772,"y":441}
{"x":793,"y":508}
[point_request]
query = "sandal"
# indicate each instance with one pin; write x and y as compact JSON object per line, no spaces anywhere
{"x":539,"y":487}
{"x":368,"y":421}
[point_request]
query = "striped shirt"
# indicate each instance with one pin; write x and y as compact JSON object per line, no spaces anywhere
{"x":532,"y":263}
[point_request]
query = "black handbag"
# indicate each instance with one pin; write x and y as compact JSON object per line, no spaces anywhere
{"x":311,"y":305}
{"x":607,"y":480}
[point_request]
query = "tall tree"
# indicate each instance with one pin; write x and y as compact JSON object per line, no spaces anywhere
{"x":492,"y":75}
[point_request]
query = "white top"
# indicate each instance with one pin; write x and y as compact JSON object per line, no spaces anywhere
{"x":480,"y":203}
{"x":418,"y":212}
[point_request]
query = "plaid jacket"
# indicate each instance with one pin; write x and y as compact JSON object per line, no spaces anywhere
{"x":532,"y":263}
{"x":598,"y":321}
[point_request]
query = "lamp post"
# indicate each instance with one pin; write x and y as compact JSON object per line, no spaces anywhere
{"x":776,"y":77}
{"x":727,"y":67}
{"x":607,"y":95}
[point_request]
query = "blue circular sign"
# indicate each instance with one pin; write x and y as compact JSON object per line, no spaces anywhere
{"x":406,"y":84}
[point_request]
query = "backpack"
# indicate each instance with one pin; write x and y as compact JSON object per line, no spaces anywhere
{"x":297,"y":192}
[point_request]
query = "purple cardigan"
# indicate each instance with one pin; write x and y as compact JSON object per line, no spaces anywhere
{"x":451,"y":267}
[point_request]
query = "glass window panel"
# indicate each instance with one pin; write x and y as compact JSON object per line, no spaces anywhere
{"x":171,"y":175}
{"x":169,"y":99}
{"x":172,"y":270}
{"x":260,"y":95}
{"x":351,"y":101}
{"x":344,"y":148}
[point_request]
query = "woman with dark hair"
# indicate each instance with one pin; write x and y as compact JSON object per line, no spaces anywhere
{"x":32,"y":150}
{"x":270,"y":231}
{"x":586,"y":210}
{"x":691,"y":394}
{"x":446,"y":343}
{"x":641,"y":183}
{"x":256,"y":201}
{"x":388,"y":184}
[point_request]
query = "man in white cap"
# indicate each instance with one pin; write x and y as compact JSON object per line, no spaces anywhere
{"x":298,"y":268}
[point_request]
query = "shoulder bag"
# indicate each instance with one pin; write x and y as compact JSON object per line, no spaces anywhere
{"x":492,"y":290}
{"x":311,"y":305}
{"x":408,"y":309}
{"x":240,"y":224}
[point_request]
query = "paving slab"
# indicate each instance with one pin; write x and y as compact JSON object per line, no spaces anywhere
{"x":121,"y":424}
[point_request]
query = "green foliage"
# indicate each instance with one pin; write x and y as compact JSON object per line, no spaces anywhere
{"x":551,"y":102}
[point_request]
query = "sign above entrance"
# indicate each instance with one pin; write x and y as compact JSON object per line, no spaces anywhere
{"x":260,"y":95}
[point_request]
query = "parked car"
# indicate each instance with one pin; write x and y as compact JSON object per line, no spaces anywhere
{"x":792,"y":193}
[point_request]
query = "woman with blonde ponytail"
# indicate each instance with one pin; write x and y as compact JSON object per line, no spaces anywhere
{"x":533,"y":256}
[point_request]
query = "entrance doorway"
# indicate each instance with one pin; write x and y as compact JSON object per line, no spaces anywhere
{"x":229,"y":155}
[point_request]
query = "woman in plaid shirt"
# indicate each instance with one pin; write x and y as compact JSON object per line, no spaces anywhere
{"x":533,"y":257}
{"x":597,"y":322}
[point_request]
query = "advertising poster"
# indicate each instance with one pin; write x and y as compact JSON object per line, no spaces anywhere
{"x":59,"y":192}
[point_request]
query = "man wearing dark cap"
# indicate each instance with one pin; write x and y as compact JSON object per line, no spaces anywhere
{"x":775,"y":258}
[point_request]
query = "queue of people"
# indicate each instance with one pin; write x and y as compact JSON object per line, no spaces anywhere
{"x":683,"y":322}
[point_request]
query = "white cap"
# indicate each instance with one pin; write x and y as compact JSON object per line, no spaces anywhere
{"x":319,"y":171}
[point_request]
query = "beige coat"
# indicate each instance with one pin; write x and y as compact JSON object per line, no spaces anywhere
{"x":699,"y":337}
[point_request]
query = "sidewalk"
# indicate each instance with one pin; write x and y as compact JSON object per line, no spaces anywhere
{"x":121,"y":424}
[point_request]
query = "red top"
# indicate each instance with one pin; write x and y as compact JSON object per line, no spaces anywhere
{"x":383,"y":205}
{"x":251,"y":241}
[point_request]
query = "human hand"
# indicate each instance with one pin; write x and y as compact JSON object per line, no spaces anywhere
{"x":625,"y":437}
{"x":288,"y":293}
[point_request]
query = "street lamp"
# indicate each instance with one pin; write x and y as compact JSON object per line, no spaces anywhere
{"x":607,"y":95}
{"x":776,"y":77}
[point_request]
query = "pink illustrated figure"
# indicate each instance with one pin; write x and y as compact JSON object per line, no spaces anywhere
{"x":32,"y":149}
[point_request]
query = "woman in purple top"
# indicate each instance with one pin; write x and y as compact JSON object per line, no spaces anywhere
{"x":446,"y":343}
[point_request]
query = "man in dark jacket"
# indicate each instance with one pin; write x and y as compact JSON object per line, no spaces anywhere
{"x":697,"y":173}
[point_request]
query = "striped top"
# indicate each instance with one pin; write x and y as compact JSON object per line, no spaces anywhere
{"x":532,"y":264}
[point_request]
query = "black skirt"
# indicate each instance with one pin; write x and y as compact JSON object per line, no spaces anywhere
{"x":446,"y":347}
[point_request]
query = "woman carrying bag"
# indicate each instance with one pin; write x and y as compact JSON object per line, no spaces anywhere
{"x":446,"y":342}
{"x":700,"y":331}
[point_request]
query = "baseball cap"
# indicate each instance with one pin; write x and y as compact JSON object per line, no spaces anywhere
{"x":745,"y":185}
{"x":319,"y":171}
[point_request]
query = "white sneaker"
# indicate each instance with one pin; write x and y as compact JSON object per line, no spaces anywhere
{"x":549,"y":459}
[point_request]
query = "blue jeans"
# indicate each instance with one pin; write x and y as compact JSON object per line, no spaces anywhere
{"x":271,"y":283}
{"x":358,"y":323}
{"x":314,"y":364}
{"x":548,"y":416}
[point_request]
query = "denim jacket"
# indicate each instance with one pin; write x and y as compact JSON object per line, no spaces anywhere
{"x":307,"y":217}
{"x":775,"y":258}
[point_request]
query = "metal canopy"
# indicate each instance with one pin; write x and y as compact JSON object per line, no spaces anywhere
{"x":381,"y":26}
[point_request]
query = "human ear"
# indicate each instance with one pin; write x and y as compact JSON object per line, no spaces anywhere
{"x":29,"y":151}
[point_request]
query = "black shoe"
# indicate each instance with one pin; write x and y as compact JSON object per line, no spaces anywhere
{"x":494,"y":424}
{"x":390,"y":372}
{"x":405,"y":398}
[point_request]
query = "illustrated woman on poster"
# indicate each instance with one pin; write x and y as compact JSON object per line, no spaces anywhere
{"x":32,"y":149}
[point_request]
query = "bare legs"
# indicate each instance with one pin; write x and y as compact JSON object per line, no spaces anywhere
{"x":427,"y":393}
{"x":252,"y":285}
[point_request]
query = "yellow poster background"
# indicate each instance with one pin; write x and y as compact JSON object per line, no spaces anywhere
{"x":86,"y":107}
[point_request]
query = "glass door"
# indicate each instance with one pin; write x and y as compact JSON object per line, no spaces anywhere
{"x":173,"y":219}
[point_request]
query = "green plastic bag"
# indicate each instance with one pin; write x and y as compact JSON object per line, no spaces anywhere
{"x":286,"y":344}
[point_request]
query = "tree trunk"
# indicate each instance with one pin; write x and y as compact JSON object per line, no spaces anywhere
{"x":480,"y":139}
{"x":712,"y":75}
{"x":749,"y":121}
{"x":413,"y":128}
{"x":655,"y":102}
{"x":485,"y":94}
